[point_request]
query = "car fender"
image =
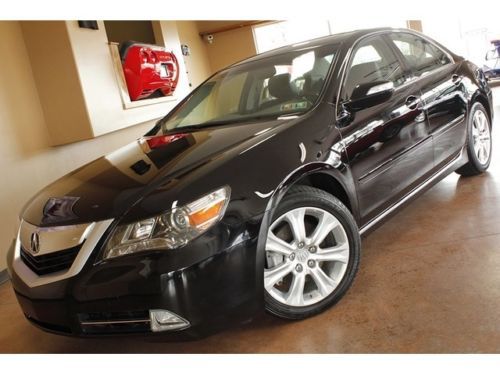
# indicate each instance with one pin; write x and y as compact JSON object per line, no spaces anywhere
{"x":337,"y":170}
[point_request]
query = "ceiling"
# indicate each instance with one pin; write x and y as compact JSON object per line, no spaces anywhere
{"x":207,"y":27}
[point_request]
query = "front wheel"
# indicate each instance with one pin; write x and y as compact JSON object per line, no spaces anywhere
{"x":312,"y":254}
{"x":478,"y":142}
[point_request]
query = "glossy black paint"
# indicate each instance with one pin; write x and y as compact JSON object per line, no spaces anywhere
{"x":212,"y":293}
{"x":370,"y":159}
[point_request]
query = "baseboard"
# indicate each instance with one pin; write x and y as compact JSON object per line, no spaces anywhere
{"x":4,"y":276}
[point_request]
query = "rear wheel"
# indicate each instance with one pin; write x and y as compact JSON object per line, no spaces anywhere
{"x":312,"y":254}
{"x":478,"y":142}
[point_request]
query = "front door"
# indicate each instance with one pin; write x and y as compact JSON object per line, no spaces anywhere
{"x":388,"y":146}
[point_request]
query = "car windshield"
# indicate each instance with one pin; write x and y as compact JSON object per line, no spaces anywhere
{"x":288,"y":83}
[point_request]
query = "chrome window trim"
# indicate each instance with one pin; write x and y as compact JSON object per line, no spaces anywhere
{"x":345,"y":64}
{"x":94,"y":235}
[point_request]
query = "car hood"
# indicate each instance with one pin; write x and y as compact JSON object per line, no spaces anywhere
{"x":109,"y":186}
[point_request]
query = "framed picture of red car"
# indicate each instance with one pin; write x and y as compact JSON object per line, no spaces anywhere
{"x":150,"y":71}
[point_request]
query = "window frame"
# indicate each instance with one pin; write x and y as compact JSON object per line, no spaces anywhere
{"x":341,"y":95}
{"x":402,"y":56}
{"x":384,"y":34}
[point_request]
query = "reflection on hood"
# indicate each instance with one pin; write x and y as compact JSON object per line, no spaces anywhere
{"x":57,"y":209}
{"x":109,"y":186}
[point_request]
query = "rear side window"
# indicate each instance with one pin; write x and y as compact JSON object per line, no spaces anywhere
{"x":372,"y":61}
{"x":420,"y":55}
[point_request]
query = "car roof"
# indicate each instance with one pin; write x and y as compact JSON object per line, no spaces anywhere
{"x":349,"y":36}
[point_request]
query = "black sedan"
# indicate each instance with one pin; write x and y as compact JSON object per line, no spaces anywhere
{"x":254,"y":191}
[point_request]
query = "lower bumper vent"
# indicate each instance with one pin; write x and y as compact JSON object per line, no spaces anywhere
{"x":131,"y":322}
{"x":125,"y":322}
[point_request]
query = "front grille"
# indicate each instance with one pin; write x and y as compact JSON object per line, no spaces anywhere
{"x":49,"y":263}
{"x":115,"y":322}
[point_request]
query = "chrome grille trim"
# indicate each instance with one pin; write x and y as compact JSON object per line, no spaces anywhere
{"x":53,"y":239}
{"x":93,"y":234}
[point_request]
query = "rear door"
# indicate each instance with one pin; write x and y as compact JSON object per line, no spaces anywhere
{"x":442,"y":92}
{"x":388,"y":145}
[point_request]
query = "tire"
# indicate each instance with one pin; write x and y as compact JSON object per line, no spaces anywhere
{"x":477,"y":163}
{"x":310,"y":260}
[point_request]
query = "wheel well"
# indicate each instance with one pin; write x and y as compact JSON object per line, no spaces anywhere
{"x":327,"y":183}
{"x":481,"y":99}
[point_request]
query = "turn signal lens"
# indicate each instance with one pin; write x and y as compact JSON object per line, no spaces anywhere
{"x":204,"y":217}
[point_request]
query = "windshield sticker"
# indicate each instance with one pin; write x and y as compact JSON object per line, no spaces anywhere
{"x":292,"y":106}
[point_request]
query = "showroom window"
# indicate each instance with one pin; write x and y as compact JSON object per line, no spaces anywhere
{"x":278,"y":34}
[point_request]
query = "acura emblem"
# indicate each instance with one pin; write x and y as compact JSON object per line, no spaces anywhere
{"x":35,"y":242}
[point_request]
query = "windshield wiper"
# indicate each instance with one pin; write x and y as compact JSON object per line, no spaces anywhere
{"x":219,"y":123}
{"x":204,"y":125}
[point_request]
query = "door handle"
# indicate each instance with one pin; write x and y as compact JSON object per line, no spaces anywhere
{"x":412,"y":102}
{"x":456,"y":79}
{"x":344,"y":117}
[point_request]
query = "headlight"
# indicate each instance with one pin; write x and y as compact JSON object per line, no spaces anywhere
{"x":170,"y":230}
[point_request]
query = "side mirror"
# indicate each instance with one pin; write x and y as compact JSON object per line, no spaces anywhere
{"x":369,"y":94}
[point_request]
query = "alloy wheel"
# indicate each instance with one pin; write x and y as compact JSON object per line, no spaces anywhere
{"x":481,"y":137}
{"x":307,"y":253}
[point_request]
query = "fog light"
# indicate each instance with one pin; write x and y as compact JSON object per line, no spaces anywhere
{"x":163,"y":320}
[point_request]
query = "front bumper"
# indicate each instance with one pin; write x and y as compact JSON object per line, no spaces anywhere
{"x":213,"y":283}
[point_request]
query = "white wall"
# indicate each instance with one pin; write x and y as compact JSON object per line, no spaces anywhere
{"x":197,"y":63}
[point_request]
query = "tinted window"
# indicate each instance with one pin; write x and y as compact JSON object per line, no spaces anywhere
{"x":372,"y":61}
{"x":421,"y":56}
{"x":281,"y":84}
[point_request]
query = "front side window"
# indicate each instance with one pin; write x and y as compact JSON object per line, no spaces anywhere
{"x":420,"y":55}
{"x":372,"y":61}
{"x":289,"y":83}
